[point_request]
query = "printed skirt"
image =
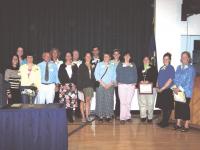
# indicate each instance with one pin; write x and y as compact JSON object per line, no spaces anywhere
{"x":68,"y":95}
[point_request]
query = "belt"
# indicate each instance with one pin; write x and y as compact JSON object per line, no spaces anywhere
{"x":47,"y":83}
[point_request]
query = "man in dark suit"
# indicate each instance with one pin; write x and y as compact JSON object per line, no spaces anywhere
{"x":95,"y":55}
{"x":95,"y":60}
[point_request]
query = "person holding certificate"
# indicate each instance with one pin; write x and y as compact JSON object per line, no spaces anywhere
{"x":184,"y":81}
{"x":165,"y":99}
{"x":126,"y":78}
{"x":147,"y":77}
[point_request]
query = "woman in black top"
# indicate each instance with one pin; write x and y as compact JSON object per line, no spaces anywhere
{"x":85,"y":84}
{"x":12,"y":77}
{"x":67,"y":75}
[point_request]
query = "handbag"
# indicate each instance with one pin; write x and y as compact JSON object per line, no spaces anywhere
{"x":180,"y":97}
{"x":97,"y":82}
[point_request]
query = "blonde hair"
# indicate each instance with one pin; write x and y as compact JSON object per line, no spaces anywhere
{"x":57,"y":51}
{"x":188,"y":54}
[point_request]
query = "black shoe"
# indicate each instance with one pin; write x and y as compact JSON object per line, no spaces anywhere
{"x":129,"y":120}
{"x":185,"y":129}
{"x":117,"y":117}
{"x":149,"y":120}
{"x":100,"y":119}
{"x":164,"y":125}
{"x":143,"y":119}
{"x":160,"y":123}
{"x":122,"y":122}
{"x":71,"y":120}
{"x":176,"y":127}
{"x":108,"y":119}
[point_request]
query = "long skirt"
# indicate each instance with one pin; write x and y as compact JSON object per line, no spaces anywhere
{"x":68,"y":95}
{"x":182,"y":110}
{"x":104,"y":102}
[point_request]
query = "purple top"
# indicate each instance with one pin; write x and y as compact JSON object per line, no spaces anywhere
{"x":165,"y":73}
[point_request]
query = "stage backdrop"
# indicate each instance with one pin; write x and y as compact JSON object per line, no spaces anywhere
{"x":39,"y":25}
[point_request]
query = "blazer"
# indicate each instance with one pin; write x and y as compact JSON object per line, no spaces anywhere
{"x":151,"y":75}
{"x":84,"y":79}
{"x":64,"y":77}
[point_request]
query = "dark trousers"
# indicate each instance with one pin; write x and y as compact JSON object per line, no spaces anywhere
{"x":16,"y":96}
{"x":117,"y":105}
{"x":56,"y":99}
{"x":77,"y":110}
{"x":69,"y":112}
{"x":182,"y":110}
{"x":166,"y":113}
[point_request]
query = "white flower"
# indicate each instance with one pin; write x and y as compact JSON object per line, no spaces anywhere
{"x":148,"y":67}
{"x":164,"y":67}
{"x":143,"y":71}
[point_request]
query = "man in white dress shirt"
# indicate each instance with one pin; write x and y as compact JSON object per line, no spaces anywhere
{"x":76,"y":57}
{"x":55,"y":58}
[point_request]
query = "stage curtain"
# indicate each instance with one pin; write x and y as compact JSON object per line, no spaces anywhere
{"x":38,"y":25}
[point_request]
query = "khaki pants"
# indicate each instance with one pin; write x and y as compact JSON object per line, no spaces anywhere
{"x":146,"y":104}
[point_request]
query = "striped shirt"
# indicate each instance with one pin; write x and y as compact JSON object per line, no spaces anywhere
{"x":13,"y":78}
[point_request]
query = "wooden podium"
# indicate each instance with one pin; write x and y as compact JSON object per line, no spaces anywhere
{"x":195,"y":103}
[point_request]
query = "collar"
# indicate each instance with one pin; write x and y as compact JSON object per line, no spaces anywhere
{"x":164,"y":67}
{"x":127,"y":65}
{"x":184,"y":66}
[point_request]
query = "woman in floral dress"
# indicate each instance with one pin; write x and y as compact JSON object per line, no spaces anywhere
{"x":67,"y":75}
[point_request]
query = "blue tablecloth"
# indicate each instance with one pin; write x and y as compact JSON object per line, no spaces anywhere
{"x":43,"y":128}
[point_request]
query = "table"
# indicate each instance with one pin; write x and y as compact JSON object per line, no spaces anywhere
{"x":33,"y":127}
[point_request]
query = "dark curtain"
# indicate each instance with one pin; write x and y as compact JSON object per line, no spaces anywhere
{"x":38,"y":25}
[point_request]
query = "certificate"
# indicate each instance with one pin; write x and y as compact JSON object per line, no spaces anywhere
{"x":145,"y":88}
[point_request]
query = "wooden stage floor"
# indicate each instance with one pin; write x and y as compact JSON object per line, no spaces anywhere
{"x":131,"y":136}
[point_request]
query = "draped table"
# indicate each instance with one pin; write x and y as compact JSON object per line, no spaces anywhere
{"x":33,"y":127}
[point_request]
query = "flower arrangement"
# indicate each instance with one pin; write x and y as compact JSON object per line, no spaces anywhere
{"x":29,"y":92}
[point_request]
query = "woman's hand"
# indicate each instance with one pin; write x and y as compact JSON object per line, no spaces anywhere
{"x":101,"y":83}
{"x":144,"y":82}
{"x":159,"y":90}
{"x":9,"y":96}
{"x":107,"y":86}
{"x":176,"y":90}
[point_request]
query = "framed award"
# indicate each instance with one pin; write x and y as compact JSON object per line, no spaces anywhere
{"x":145,"y":88}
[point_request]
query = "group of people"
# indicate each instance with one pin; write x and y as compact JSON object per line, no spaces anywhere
{"x":73,"y":82}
